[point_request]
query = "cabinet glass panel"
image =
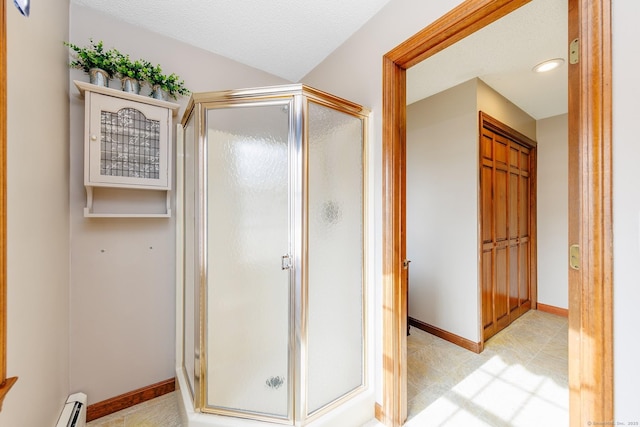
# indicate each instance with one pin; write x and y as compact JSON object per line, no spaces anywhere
{"x":129,"y":144}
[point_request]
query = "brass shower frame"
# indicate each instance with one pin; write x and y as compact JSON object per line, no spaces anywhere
{"x":297,"y":98}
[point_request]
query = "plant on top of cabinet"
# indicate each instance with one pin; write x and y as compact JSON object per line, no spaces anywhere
{"x":93,"y":59}
{"x":170,"y":84}
{"x":132,"y":73}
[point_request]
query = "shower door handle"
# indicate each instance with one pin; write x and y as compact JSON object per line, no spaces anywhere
{"x":286,"y":262}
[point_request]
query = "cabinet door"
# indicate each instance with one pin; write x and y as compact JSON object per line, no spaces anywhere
{"x":127,"y":144}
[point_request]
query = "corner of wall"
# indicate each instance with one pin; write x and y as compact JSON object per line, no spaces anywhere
{"x":500,"y":108}
{"x":38,"y":214}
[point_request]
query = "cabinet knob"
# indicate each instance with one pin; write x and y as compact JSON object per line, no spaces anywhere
{"x":94,"y":138}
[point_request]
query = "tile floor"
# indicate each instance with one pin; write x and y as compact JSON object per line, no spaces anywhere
{"x":520,"y":379}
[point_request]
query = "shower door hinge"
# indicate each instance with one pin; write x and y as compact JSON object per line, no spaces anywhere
{"x":286,"y":262}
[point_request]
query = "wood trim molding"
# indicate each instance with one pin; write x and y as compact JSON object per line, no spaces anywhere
{"x":394,"y":405}
{"x":574,"y":215}
{"x":5,"y":387}
{"x":452,"y":27}
{"x":476,"y":347}
{"x":378,"y":412}
{"x":591,"y":311}
{"x":127,"y":400}
{"x":592,"y":300}
{"x":497,"y":126}
{"x":5,"y":383}
{"x":564,"y":312}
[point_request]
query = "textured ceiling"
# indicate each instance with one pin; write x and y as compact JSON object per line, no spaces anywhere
{"x":287,"y":38}
{"x":502,"y":55}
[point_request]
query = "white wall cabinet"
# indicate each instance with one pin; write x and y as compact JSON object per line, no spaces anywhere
{"x":127,"y":147}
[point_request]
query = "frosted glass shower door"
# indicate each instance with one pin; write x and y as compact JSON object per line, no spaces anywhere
{"x":335,"y":349}
{"x":248,"y":290}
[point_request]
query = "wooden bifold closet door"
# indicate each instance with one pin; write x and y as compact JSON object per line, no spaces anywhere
{"x":507,"y":224}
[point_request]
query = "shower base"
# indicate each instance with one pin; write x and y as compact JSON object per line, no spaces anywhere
{"x":355,"y":412}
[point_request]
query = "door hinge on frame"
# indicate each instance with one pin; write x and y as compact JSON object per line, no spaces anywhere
{"x":574,"y":257}
{"x":574,"y":51}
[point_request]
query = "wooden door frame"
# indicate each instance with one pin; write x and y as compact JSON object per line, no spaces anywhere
{"x":590,"y":289}
{"x":5,"y":383}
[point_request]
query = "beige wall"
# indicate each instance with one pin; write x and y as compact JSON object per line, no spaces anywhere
{"x":122,"y":286}
{"x":553,"y":211}
{"x":442,"y":210}
{"x":626,"y":210}
{"x":38,"y":215}
{"x":442,"y":202}
{"x":500,"y":108}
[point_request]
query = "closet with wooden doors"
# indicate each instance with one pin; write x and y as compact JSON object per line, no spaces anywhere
{"x":507,"y":224}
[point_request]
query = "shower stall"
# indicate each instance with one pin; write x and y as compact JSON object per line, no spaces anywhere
{"x":271,"y":271}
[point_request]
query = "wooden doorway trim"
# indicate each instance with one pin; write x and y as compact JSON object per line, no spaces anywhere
{"x":5,"y":383}
{"x":590,"y":215}
{"x":590,"y":300}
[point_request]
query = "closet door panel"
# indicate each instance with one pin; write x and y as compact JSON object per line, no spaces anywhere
{"x":500,"y":206}
{"x":501,"y":295}
{"x":487,"y":288}
{"x":487,"y":204}
{"x":514,"y":300}
{"x":524,"y":273}
{"x":505,"y":203}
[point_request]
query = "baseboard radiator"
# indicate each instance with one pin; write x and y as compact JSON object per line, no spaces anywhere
{"x":74,"y":413}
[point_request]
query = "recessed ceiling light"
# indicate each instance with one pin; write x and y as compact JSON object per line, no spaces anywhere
{"x":549,"y":65}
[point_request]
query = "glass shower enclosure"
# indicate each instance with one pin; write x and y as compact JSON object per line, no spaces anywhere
{"x":271,"y":253}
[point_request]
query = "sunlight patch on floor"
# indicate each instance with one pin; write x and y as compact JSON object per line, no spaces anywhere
{"x":519,"y":380}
